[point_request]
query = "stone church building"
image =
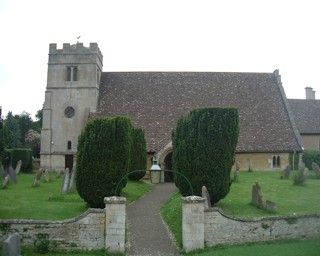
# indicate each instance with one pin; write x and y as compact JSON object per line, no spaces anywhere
{"x":78,"y":90}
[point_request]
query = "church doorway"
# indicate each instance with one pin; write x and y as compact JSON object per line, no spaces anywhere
{"x":68,"y":162}
{"x":168,"y":176}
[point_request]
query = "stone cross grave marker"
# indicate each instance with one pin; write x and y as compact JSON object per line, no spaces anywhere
{"x":18,"y":167}
{"x":206,"y":196}
{"x":286,"y":172}
{"x":37,"y":178}
{"x":256,"y":198}
{"x":11,"y":246}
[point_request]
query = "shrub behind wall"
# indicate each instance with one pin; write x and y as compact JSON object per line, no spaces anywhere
{"x":204,"y":145}
{"x":102,"y":158}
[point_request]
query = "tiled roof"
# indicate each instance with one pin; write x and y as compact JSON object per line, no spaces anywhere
{"x":155,"y":100}
{"x":306,"y":114}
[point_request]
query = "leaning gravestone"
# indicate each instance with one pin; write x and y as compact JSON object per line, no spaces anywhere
{"x":11,"y":246}
{"x":206,"y":196}
{"x":287,"y":172}
{"x":256,"y":198}
{"x":72,"y":179}
{"x":65,"y":181}
{"x":5,"y":181}
{"x":18,"y":167}
{"x":316,"y":169}
{"x":37,"y":178}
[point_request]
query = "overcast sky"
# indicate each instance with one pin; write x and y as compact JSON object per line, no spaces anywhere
{"x":164,"y":35}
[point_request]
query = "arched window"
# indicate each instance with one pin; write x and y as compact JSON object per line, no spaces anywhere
{"x":72,"y":74}
{"x":276,"y":163}
{"x":69,"y":144}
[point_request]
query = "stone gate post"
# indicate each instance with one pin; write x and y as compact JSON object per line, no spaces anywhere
{"x":115,"y":223}
{"x":192,"y":223}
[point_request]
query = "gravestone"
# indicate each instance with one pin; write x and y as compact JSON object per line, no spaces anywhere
{"x":5,"y":181}
{"x":18,"y":167}
{"x":11,"y":246}
{"x":37,"y":178}
{"x":271,"y":206}
{"x":236,"y":172}
{"x":72,"y":179}
{"x":316,"y":169}
{"x":59,"y":173}
{"x":286,"y":172}
{"x":305,"y":173}
{"x":256,"y":198}
{"x":250,"y":166}
{"x":13,"y":175}
{"x":206,"y":196}
{"x":65,"y":181}
{"x":46,"y":175}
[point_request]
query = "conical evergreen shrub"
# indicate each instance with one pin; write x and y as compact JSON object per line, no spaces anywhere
{"x":204,"y":144}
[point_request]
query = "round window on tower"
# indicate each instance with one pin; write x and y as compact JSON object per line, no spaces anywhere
{"x":69,"y":112}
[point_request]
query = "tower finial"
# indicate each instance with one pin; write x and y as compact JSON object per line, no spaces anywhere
{"x":78,"y":37}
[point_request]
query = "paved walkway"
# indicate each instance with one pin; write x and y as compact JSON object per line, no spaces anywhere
{"x":147,"y":233}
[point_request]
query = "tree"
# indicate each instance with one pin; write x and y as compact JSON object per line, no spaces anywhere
{"x":138,"y":159}
{"x":32,"y":140}
{"x":25,"y":124}
{"x":204,"y":144}
{"x":102,"y":158}
{"x":12,"y":132}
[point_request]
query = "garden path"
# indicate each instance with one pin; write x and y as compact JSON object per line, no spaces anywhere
{"x":147,"y":232}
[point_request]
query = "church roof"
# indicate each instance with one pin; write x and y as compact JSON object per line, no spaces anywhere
{"x":155,"y":101}
{"x":306,"y":115}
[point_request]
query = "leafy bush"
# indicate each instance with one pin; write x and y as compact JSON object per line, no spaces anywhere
{"x":103,"y":158}
{"x":23,"y":154}
{"x":138,"y":159}
{"x":204,"y":145}
{"x":310,"y":156}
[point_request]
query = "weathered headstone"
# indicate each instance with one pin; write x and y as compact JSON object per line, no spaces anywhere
{"x":72,"y":179}
{"x":271,"y":206}
{"x":286,"y":172}
{"x":250,"y":166}
{"x":46,"y":175}
{"x":11,"y":246}
{"x":236,"y":172}
{"x":13,"y":175}
{"x":256,"y":198}
{"x":206,"y":196}
{"x":59,"y":173}
{"x":65,"y":181}
{"x":5,"y":181}
{"x":316,"y":169}
{"x":18,"y":167}
{"x":37,"y":178}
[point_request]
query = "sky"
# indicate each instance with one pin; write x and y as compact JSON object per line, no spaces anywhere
{"x":159,"y":35}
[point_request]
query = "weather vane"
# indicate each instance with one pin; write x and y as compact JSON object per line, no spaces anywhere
{"x":78,"y":37}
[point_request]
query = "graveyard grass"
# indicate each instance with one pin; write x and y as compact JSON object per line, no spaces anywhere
{"x":290,"y":200}
{"x":46,"y":202}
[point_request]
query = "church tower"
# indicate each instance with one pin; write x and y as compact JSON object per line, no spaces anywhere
{"x":72,"y":93}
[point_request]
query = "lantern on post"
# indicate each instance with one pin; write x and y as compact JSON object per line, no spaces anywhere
{"x":156,"y":174}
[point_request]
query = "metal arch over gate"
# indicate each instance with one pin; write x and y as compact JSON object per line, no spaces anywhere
{"x":125,"y":176}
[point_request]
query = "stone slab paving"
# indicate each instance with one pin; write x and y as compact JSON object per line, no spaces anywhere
{"x":147,"y":233}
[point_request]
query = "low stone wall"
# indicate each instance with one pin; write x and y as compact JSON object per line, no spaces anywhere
{"x":222,"y":229}
{"x":94,"y":229}
{"x":83,"y":232}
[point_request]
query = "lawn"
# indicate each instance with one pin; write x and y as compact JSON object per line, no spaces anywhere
{"x":46,"y":202}
{"x":290,"y":200}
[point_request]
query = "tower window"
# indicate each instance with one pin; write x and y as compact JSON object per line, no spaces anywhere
{"x":69,"y":144}
{"x":72,"y":74}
